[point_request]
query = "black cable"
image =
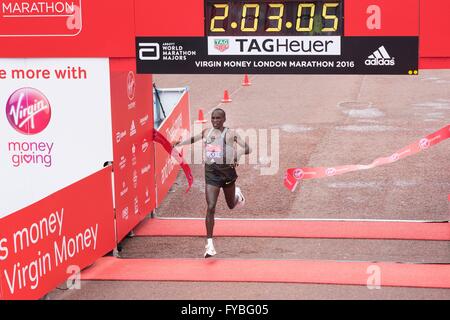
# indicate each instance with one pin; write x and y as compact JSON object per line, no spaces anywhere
{"x":68,"y":288}
{"x":159,"y":100}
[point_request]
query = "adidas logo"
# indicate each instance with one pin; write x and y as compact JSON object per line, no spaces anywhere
{"x":380,"y":58}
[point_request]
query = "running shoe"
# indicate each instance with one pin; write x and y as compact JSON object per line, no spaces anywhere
{"x":210,"y":251}
{"x":241,"y":201}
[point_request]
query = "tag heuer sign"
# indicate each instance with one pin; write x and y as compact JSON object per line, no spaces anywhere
{"x":221,"y":44}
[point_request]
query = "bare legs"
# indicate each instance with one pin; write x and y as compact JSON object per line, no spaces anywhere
{"x":230,"y":195}
{"x":212,"y":194}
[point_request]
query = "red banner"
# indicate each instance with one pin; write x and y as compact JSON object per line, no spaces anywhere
{"x":80,"y":28}
{"x":167,"y":166}
{"x":89,"y":28}
{"x":44,"y":244}
{"x":132,"y":125}
{"x":294,"y":175}
{"x":434,"y":30}
{"x":381,"y":18}
{"x":178,"y":18}
{"x":43,"y":18}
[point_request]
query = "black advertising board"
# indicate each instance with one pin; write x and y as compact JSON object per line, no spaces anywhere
{"x":358,"y":55}
{"x":283,"y":37}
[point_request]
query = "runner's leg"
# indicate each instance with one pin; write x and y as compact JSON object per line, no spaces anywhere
{"x":212,"y":193}
{"x":230,"y":195}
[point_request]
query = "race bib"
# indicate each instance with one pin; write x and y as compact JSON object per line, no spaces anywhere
{"x":214,"y":151}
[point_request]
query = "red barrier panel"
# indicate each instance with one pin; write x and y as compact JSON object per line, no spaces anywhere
{"x":434,"y":30}
{"x":166,"y":167}
{"x":132,"y":125}
{"x":43,"y":244}
{"x":434,"y":63}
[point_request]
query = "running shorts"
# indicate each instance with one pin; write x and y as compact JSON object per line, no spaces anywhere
{"x":220,"y":175}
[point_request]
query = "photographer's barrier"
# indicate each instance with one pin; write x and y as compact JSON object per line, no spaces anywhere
{"x":295,"y":175}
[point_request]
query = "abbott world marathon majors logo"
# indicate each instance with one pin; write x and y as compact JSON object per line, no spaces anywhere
{"x":29,"y":112}
{"x":167,"y":51}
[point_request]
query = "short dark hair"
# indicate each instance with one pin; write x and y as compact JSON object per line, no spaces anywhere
{"x":220,"y":110}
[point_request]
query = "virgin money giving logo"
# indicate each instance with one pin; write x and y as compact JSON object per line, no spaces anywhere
{"x":28,"y":111}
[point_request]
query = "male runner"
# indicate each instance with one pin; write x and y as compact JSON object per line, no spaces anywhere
{"x":221,"y":158}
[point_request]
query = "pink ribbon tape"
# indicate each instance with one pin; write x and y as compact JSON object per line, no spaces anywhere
{"x":294,"y":175}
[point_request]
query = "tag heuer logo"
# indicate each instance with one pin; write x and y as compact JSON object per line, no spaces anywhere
{"x":221,"y":44}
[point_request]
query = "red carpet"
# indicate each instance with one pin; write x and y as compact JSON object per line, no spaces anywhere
{"x":281,"y":271}
{"x":298,"y":229}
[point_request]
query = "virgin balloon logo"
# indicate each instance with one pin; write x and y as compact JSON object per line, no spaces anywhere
{"x":131,"y":85}
{"x":28,"y":111}
{"x":298,"y":174}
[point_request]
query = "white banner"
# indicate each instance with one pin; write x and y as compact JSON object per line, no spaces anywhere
{"x":55,"y":125}
{"x":273,"y":46}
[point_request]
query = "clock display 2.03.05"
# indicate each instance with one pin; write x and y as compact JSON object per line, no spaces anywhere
{"x":274,"y":18}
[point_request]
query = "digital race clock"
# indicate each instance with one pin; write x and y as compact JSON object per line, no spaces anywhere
{"x":284,"y":37}
{"x":274,"y":18}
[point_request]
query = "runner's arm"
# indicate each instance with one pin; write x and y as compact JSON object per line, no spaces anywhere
{"x":193,"y":139}
{"x":243,"y":144}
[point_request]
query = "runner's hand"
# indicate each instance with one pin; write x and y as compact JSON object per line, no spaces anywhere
{"x":175,"y":143}
{"x":236,"y":161}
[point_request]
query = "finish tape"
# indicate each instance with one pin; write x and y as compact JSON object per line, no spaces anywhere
{"x":159,"y":138}
{"x":294,"y":175}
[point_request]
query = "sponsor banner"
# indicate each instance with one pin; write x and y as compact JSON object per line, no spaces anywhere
{"x":55,"y":123}
{"x":268,"y":55}
{"x":52,"y":240}
{"x":254,"y":46}
{"x":74,"y":28}
{"x":43,"y":18}
{"x":132,"y":125}
{"x":294,"y":175}
{"x":175,"y":126}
